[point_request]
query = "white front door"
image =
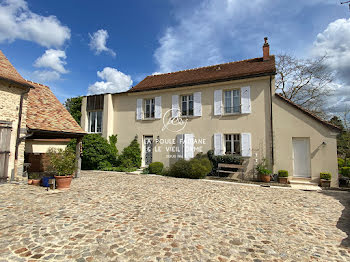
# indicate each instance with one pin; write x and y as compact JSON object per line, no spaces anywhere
{"x":301,"y":157}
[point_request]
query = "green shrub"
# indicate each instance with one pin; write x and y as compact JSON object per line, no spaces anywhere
{"x":131,"y":155}
{"x":97,"y":152}
{"x":156,"y":168}
{"x":62,"y":162}
{"x":345,"y":171}
{"x":194,"y":168}
{"x":33,"y":176}
{"x":145,"y":171}
{"x":120,"y":169}
{"x":341,"y":162}
{"x":262,"y":167}
{"x":282,"y":173}
{"x":325,"y":175}
{"x":225,"y":159}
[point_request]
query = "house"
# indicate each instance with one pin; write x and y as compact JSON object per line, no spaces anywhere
{"x":31,"y":120}
{"x":13,"y":109}
{"x":229,"y":108}
{"x":49,"y":124}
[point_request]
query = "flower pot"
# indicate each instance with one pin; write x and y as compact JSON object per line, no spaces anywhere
{"x":265,"y":178}
{"x":63,"y":182}
{"x":36,"y":182}
{"x":283,"y":180}
{"x":325,"y":183}
{"x":30,"y":181}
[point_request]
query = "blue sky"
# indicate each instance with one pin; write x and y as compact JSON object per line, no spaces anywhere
{"x":79,"y":47}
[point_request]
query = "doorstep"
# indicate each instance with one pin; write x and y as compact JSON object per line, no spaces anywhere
{"x":304,"y":184}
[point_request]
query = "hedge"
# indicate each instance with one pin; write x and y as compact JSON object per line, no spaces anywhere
{"x":156,"y":168}
{"x":194,"y":168}
{"x":345,"y":171}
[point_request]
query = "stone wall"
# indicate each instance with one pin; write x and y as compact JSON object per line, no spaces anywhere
{"x":9,"y":107}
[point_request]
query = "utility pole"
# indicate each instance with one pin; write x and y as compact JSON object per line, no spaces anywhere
{"x":346,"y":2}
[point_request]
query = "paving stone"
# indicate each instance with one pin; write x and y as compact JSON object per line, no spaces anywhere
{"x":108,"y":216}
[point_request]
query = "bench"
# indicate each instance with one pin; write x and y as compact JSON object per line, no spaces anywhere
{"x":233,"y":170}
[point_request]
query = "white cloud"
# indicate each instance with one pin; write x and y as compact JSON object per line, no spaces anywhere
{"x":115,"y":81}
{"x":54,"y":59}
{"x":45,"y":76}
{"x":98,"y":42}
{"x":18,"y":22}
{"x":334,"y":42}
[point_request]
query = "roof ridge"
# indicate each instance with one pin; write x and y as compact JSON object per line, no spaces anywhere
{"x":37,"y":83}
{"x":203,"y":67}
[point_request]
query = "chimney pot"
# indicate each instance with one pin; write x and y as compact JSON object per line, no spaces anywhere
{"x":266,"y":50}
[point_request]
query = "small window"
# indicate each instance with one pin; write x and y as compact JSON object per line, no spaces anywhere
{"x":232,"y":101}
{"x":149,"y":108}
{"x":232,"y":144}
{"x":187,"y":105}
{"x":95,"y":122}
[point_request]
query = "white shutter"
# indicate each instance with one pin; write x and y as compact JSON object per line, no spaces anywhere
{"x":139,"y":109}
{"x":179,"y":146}
{"x":246,"y":145}
{"x":197,"y":106}
{"x":217,"y":102}
{"x":189,"y":146}
{"x":175,"y":112}
{"x":158,"y":107}
{"x":245,"y":100}
{"x":218,"y":147}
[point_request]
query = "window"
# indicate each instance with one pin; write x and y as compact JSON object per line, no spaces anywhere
{"x":232,"y":101}
{"x":149,"y":108}
{"x":187,"y":105}
{"x":232,"y":144}
{"x":95,"y":122}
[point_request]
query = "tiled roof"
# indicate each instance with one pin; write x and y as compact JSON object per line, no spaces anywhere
{"x":326,"y":123}
{"x":46,"y":113}
{"x":9,"y":73}
{"x":222,"y":72}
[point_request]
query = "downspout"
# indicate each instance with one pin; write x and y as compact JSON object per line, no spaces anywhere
{"x":18,"y":140}
{"x":271,"y":126}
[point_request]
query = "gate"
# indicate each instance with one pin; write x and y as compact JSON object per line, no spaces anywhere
{"x":5,"y":137}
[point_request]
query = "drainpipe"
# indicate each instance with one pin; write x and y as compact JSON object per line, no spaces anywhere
{"x":18,"y":140}
{"x":271,"y":126}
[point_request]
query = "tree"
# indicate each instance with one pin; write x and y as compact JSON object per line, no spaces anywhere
{"x":306,"y":82}
{"x":343,"y":139}
{"x":73,"y":105}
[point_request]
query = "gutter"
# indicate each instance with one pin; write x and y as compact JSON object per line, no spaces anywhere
{"x":18,"y":140}
{"x":271,"y":126}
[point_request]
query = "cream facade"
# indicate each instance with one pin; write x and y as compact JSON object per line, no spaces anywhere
{"x":43,"y":145}
{"x":10,"y":96}
{"x":270,"y":128}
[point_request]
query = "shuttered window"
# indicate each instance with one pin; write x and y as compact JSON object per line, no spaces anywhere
{"x":149,"y":108}
{"x":232,"y":144}
{"x":187,"y":105}
{"x":232,"y":101}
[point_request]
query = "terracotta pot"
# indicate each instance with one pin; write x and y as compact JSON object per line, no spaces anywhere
{"x":63,"y":182}
{"x":30,"y":181}
{"x":283,"y":180}
{"x":36,"y":182}
{"x":325,"y":183}
{"x":265,"y":178}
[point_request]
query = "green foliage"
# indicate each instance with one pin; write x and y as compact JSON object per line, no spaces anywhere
{"x":62,"y":161}
{"x":145,"y":171}
{"x":33,"y":176}
{"x":282,"y":173}
{"x":120,"y":169}
{"x":194,"y":168}
{"x":262,"y":167}
{"x":225,"y":159}
{"x":113,"y":139}
{"x":156,"y":168}
{"x":335,"y":120}
{"x":97,"y":153}
{"x":131,"y":155}
{"x":341,"y":162}
{"x":325,"y":175}
{"x":345,"y":171}
{"x":73,"y":105}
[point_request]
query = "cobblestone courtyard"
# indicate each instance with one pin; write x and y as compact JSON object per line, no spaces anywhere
{"x":118,"y":217}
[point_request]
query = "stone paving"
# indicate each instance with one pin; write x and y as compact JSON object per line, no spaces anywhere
{"x":109,"y":216}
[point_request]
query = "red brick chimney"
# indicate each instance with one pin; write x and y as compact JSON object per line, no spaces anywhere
{"x":266,"y":50}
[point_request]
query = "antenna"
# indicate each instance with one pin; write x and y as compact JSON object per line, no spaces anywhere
{"x":346,"y":2}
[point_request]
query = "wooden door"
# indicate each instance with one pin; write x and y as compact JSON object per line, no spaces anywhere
{"x":5,"y":137}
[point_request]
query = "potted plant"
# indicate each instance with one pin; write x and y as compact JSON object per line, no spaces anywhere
{"x":283,"y":176}
{"x":63,"y":166}
{"x":264,"y":172}
{"x":325,"y":179}
{"x":34,"y":179}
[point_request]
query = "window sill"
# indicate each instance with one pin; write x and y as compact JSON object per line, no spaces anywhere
{"x":189,"y":117}
{"x":149,"y":119}
{"x":99,"y":133}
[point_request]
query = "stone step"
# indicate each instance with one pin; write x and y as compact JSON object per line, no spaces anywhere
{"x":301,"y":181}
